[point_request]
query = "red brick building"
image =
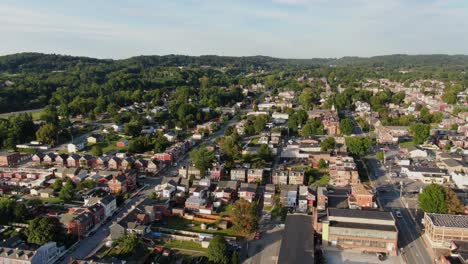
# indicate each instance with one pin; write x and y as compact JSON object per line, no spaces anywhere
{"x":9,"y":158}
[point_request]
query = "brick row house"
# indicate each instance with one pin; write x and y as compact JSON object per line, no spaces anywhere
{"x":91,"y":162}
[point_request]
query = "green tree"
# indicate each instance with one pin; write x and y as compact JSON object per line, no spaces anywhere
{"x":44,"y":229}
{"x":96,"y":150}
{"x":420,"y":132}
{"x":47,"y":134}
{"x":202,"y":158}
{"x":235,"y":258}
{"x":20,"y":213}
{"x":244,"y":216}
{"x":346,"y":126}
{"x":67,"y":192}
{"x":129,"y":245}
{"x":230,"y":146}
{"x":218,"y":250}
{"x":86,"y":185}
{"x":57,"y":185}
{"x":322,"y":164}
{"x":432,"y":199}
{"x":309,"y":98}
{"x":359,"y":145}
{"x":133,"y":128}
{"x":380,"y":155}
{"x":328,"y":144}
{"x":313,"y":127}
{"x":264,"y":152}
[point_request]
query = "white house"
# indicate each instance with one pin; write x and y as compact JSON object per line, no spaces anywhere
{"x":426,"y":175}
{"x":277,"y":115}
{"x":460,"y":179}
{"x":73,"y":148}
{"x":418,"y":154}
{"x":170,"y":136}
{"x":108,"y":202}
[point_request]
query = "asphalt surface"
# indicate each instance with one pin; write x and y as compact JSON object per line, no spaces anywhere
{"x":410,"y":240}
{"x":297,"y":245}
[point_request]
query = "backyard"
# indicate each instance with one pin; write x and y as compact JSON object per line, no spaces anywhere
{"x":179,"y":223}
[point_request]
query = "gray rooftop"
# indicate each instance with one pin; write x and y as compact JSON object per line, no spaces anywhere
{"x":364,"y":214}
{"x":446,"y":220}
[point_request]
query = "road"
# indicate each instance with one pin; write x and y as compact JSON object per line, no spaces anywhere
{"x":414,"y":248}
{"x":89,"y":245}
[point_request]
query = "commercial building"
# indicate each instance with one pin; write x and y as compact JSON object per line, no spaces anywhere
{"x":360,"y":230}
{"x":47,"y":253}
{"x":442,"y":229}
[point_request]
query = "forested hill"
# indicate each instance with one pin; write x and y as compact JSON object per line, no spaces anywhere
{"x":42,"y":63}
{"x":33,"y":80}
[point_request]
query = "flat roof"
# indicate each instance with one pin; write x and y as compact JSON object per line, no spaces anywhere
{"x":364,"y":214}
{"x":297,"y":245}
{"x":446,"y":220}
{"x":363,"y":226}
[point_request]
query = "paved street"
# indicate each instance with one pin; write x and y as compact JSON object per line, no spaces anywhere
{"x":414,"y":248}
{"x":266,"y":249}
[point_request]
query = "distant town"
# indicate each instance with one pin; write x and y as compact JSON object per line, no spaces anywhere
{"x":232,"y":160}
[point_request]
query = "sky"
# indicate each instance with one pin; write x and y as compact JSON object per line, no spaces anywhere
{"x":278,"y":28}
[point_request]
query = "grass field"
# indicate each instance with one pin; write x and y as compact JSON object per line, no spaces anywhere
{"x":189,"y":245}
{"x":36,"y":113}
{"x":178,"y":223}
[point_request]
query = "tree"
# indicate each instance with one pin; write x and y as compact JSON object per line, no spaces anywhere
{"x":128,"y":245}
{"x":322,"y":164}
{"x":230,"y":146}
{"x":57,"y":185}
{"x":133,"y":128}
{"x":313,"y":127}
{"x":47,"y":134}
{"x":432,"y":199}
{"x":244,"y":216}
{"x":96,"y":150}
{"x":218,"y":250}
{"x":380,"y":155}
{"x":328,"y":144}
{"x":86,"y":184}
{"x":346,"y":126}
{"x":20,"y":213}
{"x":454,"y":204}
{"x":264,"y":152}
{"x":235,"y":258}
{"x":67,"y":192}
{"x":43,"y":229}
{"x":420,"y":132}
{"x":309,"y":98}
{"x":202,"y":158}
{"x":359,"y":145}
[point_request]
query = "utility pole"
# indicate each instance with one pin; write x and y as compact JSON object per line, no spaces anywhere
{"x":401,"y":189}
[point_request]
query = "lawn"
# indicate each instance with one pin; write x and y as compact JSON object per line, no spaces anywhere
{"x":36,"y":114}
{"x":407,"y":144}
{"x":188,"y":245}
{"x":107,"y":147}
{"x":318,"y":176}
{"x":179,"y":223}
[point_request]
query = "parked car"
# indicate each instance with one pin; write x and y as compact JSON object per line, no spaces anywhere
{"x":398,"y":214}
{"x":258,"y":235}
